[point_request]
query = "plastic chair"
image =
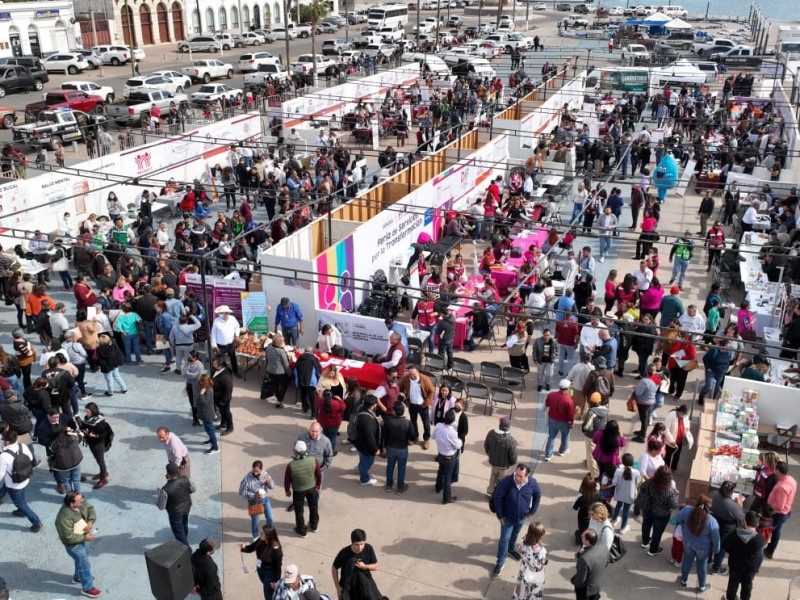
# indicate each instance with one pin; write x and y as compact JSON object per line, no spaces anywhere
{"x":432,"y":376}
{"x":513,"y":376}
{"x":783,"y":439}
{"x":478,"y":391}
{"x":414,"y":357}
{"x":434,"y":362}
{"x":463,"y":367}
{"x":502,"y":397}
{"x":454,"y":383}
{"x":490,"y":369}
{"x":415,"y":343}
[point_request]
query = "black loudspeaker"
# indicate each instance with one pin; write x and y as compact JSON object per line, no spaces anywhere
{"x":169,"y":567}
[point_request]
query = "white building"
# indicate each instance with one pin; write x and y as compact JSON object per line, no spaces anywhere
{"x":168,"y":21}
{"x":36,"y":28}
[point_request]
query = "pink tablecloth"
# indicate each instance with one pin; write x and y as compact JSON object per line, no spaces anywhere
{"x":505,"y":279}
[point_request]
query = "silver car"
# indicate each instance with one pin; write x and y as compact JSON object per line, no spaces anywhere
{"x":200,"y":43}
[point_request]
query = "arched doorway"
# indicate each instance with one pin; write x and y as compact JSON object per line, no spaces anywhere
{"x":234,"y":18}
{"x":15,"y":40}
{"x":223,"y":19}
{"x":256,"y":17}
{"x":33,"y":40}
{"x":246,"y":17}
{"x":128,"y":32}
{"x":276,"y":12}
{"x":210,"y":20}
{"x":177,"y":22}
{"x":267,"y":16}
{"x":146,"y":20}
{"x":163,"y":22}
{"x":60,"y":40}
{"x":196,"y":21}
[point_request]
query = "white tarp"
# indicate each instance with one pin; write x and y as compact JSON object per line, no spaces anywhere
{"x":657,"y":17}
{"x":678,"y":24}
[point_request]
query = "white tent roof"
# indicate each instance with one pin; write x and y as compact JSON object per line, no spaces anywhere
{"x":660,"y":17}
{"x":680,"y":68}
{"x":678,"y":24}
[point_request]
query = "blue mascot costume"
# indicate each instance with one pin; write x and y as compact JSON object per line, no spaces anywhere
{"x":666,"y":176}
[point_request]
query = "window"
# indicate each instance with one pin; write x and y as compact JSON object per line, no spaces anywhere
{"x":235,"y":18}
{"x":223,"y":19}
{"x":246,"y":16}
{"x":210,"y":19}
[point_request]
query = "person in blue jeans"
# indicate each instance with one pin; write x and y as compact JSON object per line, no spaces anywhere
{"x":396,"y":434}
{"x":75,"y":509}
{"x":515,"y":499}
{"x":658,"y":498}
{"x":16,"y":489}
{"x":700,"y":540}
{"x":290,"y":319}
{"x":253,"y":488}
{"x":368,"y":441}
{"x":560,"y":418}
{"x":178,"y":505}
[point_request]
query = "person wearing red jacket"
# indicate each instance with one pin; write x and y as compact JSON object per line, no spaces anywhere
{"x":567,"y":335}
{"x":682,"y":360}
{"x":560,"y":419}
{"x":330,"y":410}
{"x":84,"y":295}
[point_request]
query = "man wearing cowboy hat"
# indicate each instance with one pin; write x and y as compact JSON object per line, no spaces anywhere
{"x":223,"y":335}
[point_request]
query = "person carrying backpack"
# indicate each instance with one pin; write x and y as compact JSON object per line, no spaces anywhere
{"x":600,"y":380}
{"x":594,"y":420}
{"x":16,"y":468}
{"x":66,"y":458}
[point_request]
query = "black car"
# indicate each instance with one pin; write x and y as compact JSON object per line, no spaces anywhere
{"x":564,"y":7}
{"x":15,"y":78}
{"x":471,"y":31}
{"x":581,"y":9}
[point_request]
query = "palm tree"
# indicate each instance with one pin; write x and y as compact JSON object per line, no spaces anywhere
{"x":317,"y":10}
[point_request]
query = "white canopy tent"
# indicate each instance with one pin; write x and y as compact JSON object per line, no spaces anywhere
{"x":658,"y":17}
{"x":678,"y":24}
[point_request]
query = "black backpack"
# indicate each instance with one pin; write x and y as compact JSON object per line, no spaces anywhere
{"x":22,"y":467}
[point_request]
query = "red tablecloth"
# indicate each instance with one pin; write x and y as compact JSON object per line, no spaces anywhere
{"x":368,"y":375}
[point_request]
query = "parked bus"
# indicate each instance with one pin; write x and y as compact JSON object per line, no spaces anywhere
{"x":390,"y":15}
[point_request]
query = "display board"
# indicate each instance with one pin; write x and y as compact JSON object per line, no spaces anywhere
{"x":777,"y":404}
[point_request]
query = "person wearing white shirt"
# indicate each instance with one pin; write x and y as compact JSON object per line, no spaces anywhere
{"x":16,"y":490}
{"x":328,"y":337}
{"x":527,"y":187}
{"x":590,"y":335}
{"x":569,"y":272}
{"x":692,"y":321}
{"x":65,"y":226}
{"x":651,"y":459}
{"x":162,"y":235}
{"x":749,"y":218}
{"x":224,"y":332}
{"x":294,"y":137}
{"x":643,"y":276}
{"x":477,"y":213}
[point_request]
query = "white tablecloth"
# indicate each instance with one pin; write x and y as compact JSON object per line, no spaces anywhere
{"x":750,"y":269}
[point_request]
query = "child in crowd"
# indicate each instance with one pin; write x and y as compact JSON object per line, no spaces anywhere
{"x":676,"y":558}
{"x":607,"y":486}
{"x":765,"y":524}
{"x":587,"y":495}
{"x":626,"y":481}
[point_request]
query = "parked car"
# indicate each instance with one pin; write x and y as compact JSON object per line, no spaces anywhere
{"x":90,"y":87}
{"x":350,"y":55}
{"x":116,"y":55}
{"x":7,"y":117}
{"x":152,"y":82}
{"x":539,"y":6}
{"x":335,"y":47}
{"x":564,"y":7}
{"x":281,"y":33}
{"x":200,"y":43}
{"x":666,"y":52}
{"x":15,"y":78}
{"x":741,"y":56}
{"x":92,"y":57}
{"x":266,"y":71}
{"x":250,"y":62}
{"x":327,"y":27}
{"x":138,"y":105}
{"x":455,"y":21}
{"x":226,"y":39}
{"x":356,"y":18}
{"x":210,"y":92}
{"x":184,"y":81}
{"x":616,"y":11}
{"x":65,"y":62}
{"x":266,"y":34}
{"x":637,"y":53}
{"x":680,"y":39}
{"x":206,"y":70}
{"x":305,"y":63}
{"x":581,"y":9}
{"x":31,"y":62}
{"x":248,"y":38}
{"x":374,"y":50}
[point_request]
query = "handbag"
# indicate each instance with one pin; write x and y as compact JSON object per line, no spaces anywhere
{"x":631,"y":404}
{"x":617,"y":550}
{"x":255,"y":509}
{"x":690,"y":366}
{"x":267,"y":390}
{"x":534,"y":578}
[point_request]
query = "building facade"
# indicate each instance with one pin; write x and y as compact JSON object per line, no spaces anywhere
{"x":37,"y":28}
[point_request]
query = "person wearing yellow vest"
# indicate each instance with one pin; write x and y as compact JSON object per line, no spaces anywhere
{"x":681,"y":252}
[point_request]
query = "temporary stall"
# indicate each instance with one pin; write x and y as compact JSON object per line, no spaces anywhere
{"x":676,"y":24}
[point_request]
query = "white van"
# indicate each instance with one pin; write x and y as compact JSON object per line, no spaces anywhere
{"x":674,"y":11}
{"x":429,"y":63}
{"x":676,"y":75}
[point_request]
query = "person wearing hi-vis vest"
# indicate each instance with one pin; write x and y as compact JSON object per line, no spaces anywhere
{"x":426,"y":315}
{"x":681,"y":252}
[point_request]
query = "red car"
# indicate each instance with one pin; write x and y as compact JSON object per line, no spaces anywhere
{"x":73,"y":99}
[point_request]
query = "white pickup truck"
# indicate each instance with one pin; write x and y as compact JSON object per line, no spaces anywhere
{"x":366,"y":37}
{"x":305,"y":63}
{"x":719,"y":43}
{"x":301,"y":31}
{"x":206,"y":70}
